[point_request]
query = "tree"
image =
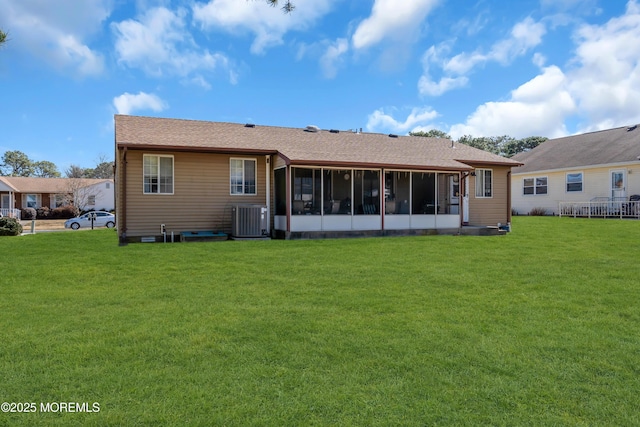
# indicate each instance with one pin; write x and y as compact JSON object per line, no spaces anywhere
{"x":45,"y":169}
{"x":287,"y":8}
{"x":103,"y":170}
{"x":502,"y":145}
{"x":75,"y":171}
{"x":16,"y":163}
{"x":433,"y":133}
{"x":3,"y":37}
{"x":79,"y":192}
{"x":524,"y":144}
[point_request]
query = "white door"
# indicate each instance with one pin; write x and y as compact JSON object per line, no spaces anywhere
{"x":5,"y":203}
{"x":618,"y":185}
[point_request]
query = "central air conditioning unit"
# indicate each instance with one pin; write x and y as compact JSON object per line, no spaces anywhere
{"x":249,"y":221}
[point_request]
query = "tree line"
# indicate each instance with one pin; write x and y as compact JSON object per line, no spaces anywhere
{"x":504,"y":145}
{"x":17,"y":163}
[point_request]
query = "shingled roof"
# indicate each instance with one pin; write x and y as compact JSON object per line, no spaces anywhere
{"x":23,"y":184}
{"x":300,"y":146}
{"x":619,"y":145}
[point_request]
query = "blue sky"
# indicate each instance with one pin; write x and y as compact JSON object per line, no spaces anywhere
{"x":481,"y":68}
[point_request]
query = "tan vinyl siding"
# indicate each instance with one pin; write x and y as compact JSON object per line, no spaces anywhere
{"x":119,"y":191}
{"x":490,"y":210}
{"x":279,"y":162}
{"x":201,"y":198}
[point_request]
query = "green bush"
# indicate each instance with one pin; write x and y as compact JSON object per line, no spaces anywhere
{"x":10,"y":227}
{"x":28,"y":214}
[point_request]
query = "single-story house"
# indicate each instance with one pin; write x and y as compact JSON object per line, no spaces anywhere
{"x":177,"y":176}
{"x":18,"y":193}
{"x":584,"y":172}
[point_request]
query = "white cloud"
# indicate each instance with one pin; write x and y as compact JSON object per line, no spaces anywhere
{"x":57,"y":32}
{"x":268,"y":24}
{"x":379,"y":121}
{"x":397,"y":20}
{"x":159,"y":44}
{"x":524,"y":36}
{"x":605,"y":78}
{"x":332,"y":57}
{"x":128,"y":103}
{"x":600,"y":87}
{"x":426,"y":86}
{"x":538,"y":107}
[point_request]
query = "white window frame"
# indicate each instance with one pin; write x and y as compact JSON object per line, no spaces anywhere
{"x":535,"y":186}
{"x":91,"y":200}
{"x":232,"y":188}
{"x":26,"y":200}
{"x":158,"y":176}
{"x":59,"y":200}
{"x":480,"y":184}
{"x":566,"y":182}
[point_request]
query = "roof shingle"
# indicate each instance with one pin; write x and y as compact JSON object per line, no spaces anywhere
{"x":300,"y":146}
{"x":617,"y":145}
{"x":23,"y":184}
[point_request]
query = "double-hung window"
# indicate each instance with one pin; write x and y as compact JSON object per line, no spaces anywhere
{"x":484,"y":183}
{"x":574,"y":182}
{"x":243,"y":176}
{"x":158,"y":174}
{"x":32,"y":201}
{"x":534,"y":186}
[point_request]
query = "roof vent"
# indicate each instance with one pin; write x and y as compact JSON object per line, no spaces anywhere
{"x":392,"y":135}
{"x":249,"y":125}
{"x":312,"y":128}
{"x":630,"y":128}
{"x":334,"y":131}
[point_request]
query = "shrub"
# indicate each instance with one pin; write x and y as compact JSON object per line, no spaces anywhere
{"x":43,"y":212}
{"x":538,"y":212}
{"x":64,"y":212}
{"x":10,"y":227}
{"x":28,"y":213}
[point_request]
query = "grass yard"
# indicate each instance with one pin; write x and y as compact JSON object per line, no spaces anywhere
{"x":539,"y":327}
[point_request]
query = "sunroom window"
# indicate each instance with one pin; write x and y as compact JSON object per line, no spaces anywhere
{"x":366,"y":188}
{"x":306,"y":191}
{"x":337,"y":191}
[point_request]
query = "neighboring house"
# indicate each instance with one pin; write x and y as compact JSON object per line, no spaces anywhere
{"x":185,"y":175}
{"x":17,"y":193}
{"x":581,"y":173}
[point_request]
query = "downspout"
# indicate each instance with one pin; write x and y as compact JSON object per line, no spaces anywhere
{"x":509,"y":196}
{"x":122,"y":223}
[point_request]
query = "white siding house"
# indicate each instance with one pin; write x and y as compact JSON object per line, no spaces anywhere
{"x":593,"y":168}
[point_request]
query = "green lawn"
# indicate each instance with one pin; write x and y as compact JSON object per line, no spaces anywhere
{"x":539,"y":327}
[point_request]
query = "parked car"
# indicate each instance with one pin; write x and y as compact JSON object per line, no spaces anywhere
{"x":101,"y":219}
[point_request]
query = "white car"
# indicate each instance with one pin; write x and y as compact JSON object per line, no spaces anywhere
{"x":100,"y":219}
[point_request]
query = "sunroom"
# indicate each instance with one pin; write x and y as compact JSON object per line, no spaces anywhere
{"x":327,"y":199}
